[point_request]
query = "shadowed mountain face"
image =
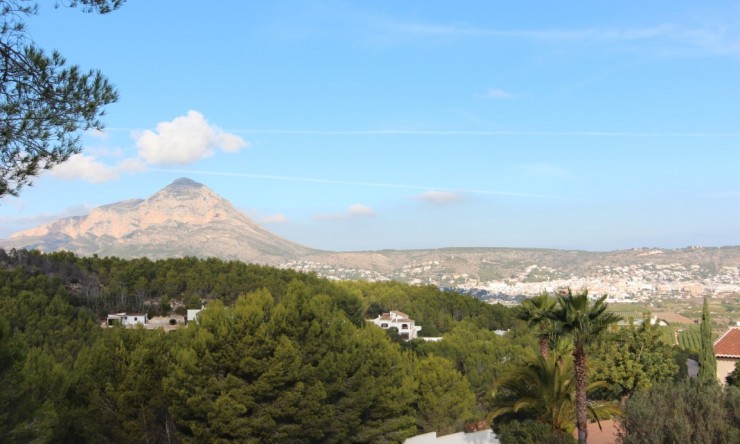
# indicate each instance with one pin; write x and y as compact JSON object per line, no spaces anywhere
{"x":185,"y":218}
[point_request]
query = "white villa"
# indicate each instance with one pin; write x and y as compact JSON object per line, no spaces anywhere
{"x":127,"y":320}
{"x":192,"y":314}
{"x":400,"y":321}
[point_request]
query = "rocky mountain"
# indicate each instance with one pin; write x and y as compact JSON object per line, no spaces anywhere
{"x":185,"y":218}
{"x":188,"y":219}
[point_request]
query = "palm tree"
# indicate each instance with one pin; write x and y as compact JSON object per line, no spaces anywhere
{"x":584,"y":321}
{"x":536,"y":312}
{"x":545,"y":388}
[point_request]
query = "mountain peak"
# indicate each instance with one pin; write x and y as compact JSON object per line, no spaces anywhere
{"x":184,"y":182}
{"x":186,"y":218}
{"x":183,"y":189}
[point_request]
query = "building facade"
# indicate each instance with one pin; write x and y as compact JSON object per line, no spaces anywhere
{"x":405,"y":326}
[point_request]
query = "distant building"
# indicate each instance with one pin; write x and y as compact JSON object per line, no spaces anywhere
{"x":192,"y":314}
{"x":727,"y":352}
{"x":481,"y":437}
{"x":126,"y":319}
{"x":406,"y":327}
{"x":629,"y":318}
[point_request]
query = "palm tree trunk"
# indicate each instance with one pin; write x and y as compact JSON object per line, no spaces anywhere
{"x":579,"y":367}
{"x":544,"y":347}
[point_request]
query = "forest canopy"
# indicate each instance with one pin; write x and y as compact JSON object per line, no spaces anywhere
{"x":283,"y":356}
{"x":276,"y":355}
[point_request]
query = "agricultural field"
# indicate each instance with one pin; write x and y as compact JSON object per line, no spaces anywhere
{"x":690,"y":338}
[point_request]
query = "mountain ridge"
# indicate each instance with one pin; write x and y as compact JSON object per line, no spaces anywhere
{"x":186,"y":218}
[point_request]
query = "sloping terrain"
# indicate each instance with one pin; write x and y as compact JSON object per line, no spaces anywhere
{"x":185,"y":218}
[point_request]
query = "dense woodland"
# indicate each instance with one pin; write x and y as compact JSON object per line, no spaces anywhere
{"x":282,"y":356}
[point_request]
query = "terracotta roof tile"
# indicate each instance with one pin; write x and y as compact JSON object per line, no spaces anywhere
{"x":728,"y":346}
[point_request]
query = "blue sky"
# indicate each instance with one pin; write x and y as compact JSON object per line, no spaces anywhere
{"x":353,"y":125}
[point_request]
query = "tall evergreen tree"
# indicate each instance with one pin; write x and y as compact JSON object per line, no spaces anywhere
{"x":707,"y":360}
{"x":44,"y":104}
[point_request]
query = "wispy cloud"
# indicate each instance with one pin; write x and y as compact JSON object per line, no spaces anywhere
{"x":273,"y":219}
{"x":551,"y":34}
{"x":11,"y":224}
{"x":440,"y":197}
{"x":360,"y":210}
{"x":676,"y":38}
{"x":497,"y":94}
{"x":353,"y":211}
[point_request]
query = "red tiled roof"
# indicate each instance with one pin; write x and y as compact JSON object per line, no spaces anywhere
{"x":728,"y":346}
{"x":400,"y":314}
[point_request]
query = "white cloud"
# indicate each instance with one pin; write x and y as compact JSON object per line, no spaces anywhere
{"x":497,"y":94}
{"x":274,"y":219}
{"x":81,"y":166}
{"x":88,"y":168}
{"x":440,"y":197}
{"x":184,"y":140}
{"x":353,"y":211}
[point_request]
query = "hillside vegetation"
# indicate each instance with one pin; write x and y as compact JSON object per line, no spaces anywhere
{"x":277,"y":356}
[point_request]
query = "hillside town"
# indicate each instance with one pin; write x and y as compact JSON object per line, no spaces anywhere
{"x":627,"y":283}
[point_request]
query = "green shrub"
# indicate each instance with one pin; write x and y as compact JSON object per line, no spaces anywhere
{"x":684,"y":411}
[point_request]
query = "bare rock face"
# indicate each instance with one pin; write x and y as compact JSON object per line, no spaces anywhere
{"x":185,"y":218}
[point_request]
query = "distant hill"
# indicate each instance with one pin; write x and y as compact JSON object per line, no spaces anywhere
{"x":185,"y":218}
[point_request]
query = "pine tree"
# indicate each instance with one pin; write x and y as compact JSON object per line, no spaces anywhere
{"x":707,"y":360}
{"x":44,"y":103}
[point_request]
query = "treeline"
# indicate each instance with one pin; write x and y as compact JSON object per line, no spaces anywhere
{"x":110,"y":284}
{"x":278,"y":356}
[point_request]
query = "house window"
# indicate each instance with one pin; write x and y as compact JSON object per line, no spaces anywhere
{"x":136,"y":319}
{"x":404,"y":326}
{"x":383,"y":325}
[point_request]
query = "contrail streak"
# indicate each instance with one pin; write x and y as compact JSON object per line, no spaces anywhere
{"x":402,"y":132}
{"x":351,"y":183}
